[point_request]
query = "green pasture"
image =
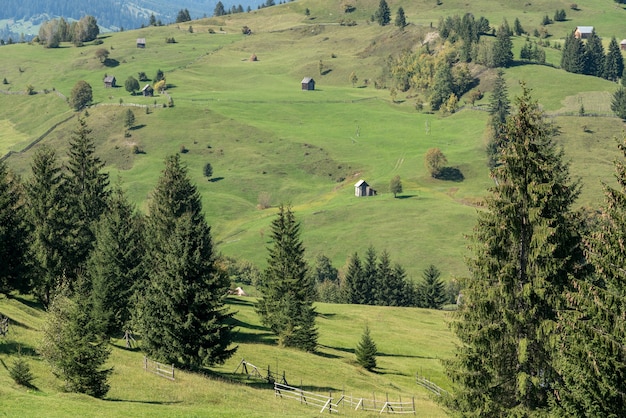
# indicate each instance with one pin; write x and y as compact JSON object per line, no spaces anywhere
{"x":409,"y":341}
{"x":263,"y":135}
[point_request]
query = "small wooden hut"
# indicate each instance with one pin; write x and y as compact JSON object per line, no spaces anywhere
{"x":308,"y":83}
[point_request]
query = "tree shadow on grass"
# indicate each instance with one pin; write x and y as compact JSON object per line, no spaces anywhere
{"x":136,"y":127}
{"x":140,"y":401}
{"x":450,"y":174}
{"x":27,"y":302}
{"x":265,"y":338}
{"x":13,"y":347}
{"x":406,"y":196}
{"x":216,"y":179}
{"x":111,"y":62}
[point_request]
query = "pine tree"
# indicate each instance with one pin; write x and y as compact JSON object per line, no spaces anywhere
{"x":47,"y":215}
{"x":73,"y":347}
{"x":353,"y":288}
{"x":614,"y":62}
{"x":383,"y":14}
{"x":88,"y":190}
{"x":502,"y":48}
{"x":525,"y":248}
{"x":517,"y":27}
{"x":431,"y":291}
{"x":115,"y":266}
{"x":370,"y":276}
{"x":593,"y":56}
{"x":366,"y":350}
{"x":618,"y":103}
{"x":382,"y":287}
{"x":594,"y":361}
{"x":499,"y":109}
{"x":181,"y":309}
{"x":400,"y":18}
{"x":572,"y":58}
{"x":288,"y":291}
{"x":13,"y":234}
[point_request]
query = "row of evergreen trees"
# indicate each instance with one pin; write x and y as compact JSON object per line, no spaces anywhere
{"x":102,"y":268}
{"x":541,"y":325}
{"x":589,"y":57}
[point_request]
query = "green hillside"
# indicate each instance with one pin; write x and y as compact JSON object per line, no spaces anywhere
{"x":264,"y":136}
{"x":409,"y":341}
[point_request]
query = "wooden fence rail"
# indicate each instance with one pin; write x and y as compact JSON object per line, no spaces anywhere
{"x":160,"y":369}
{"x":422,"y":381}
{"x":308,"y":398}
{"x":380,"y":406}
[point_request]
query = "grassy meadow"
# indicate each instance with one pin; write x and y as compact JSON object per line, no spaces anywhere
{"x":266,"y":138}
{"x":408,"y":340}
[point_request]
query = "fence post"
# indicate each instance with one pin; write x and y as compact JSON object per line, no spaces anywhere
{"x":173,"y":372}
{"x":145,"y":363}
{"x":414,"y":412}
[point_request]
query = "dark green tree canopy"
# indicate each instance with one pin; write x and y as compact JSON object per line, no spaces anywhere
{"x":366,"y":350}
{"x":181,"y":312}
{"x":526,"y":247}
{"x":288,"y":290}
{"x":383,"y":14}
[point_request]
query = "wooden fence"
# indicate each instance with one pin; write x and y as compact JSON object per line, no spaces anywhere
{"x":332,"y":404}
{"x":160,"y":369}
{"x":422,"y":381}
{"x":379,"y":405}
{"x":307,"y":398}
{"x":253,"y":371}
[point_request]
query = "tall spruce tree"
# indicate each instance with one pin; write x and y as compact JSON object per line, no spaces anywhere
{"x":74,"y":348}
{"x":383,"y":14}
{"x":431,"y":291}
{"x":370,"y":276}
{"x":115,"y":267}
{"x":288,"y":291}
{"x":572,"y":57}
{"x":594,"y":364}
{"x":88,"y":193}
{"x":593,"y":56}
{"x":614,"y":61}
{"x":618,"y":102}
{"x":400,"y":18}
{"x":14,"y":258}
{"x":353,"y":288}
{"x":48,"y":210}
{"x":503,"y":47}
{"x":525,"y":248}
{"x":181,"y":309}
{"x":499,"y":110}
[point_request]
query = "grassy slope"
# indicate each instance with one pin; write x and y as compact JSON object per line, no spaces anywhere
{"x":265,"y":135}
{"x":409,"y":341}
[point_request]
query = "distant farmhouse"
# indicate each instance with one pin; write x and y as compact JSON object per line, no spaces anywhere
{"x":622,"y":45}
{"x":141,"y":42}
{"x":109,"y":81}
{"x":583,"y":32}
{"x":147,"y":90}
{"x":308,"y":83}
{"x":361,"y":188}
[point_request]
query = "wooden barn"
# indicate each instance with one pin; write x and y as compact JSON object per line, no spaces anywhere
{"x":622,"y":45}
{"x":308,"y":83}
{"x":147,"y":90}
{"x":141,"y":42}
{"x":361,"y":188}
{"x":583,"y":32}
{"x":109,"y":81}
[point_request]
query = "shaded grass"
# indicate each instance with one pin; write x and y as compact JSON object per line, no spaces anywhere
{"x":409,"y":340}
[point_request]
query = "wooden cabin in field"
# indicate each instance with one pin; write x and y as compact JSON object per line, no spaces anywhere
{"x":361,"y":188}
{"x":622,"y":45}
{"x":109,"y":81}
{"x":308,"y":83}
{"x":147,"y":90}
{"x":583,"y":32}
{"x":141,"y":42}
